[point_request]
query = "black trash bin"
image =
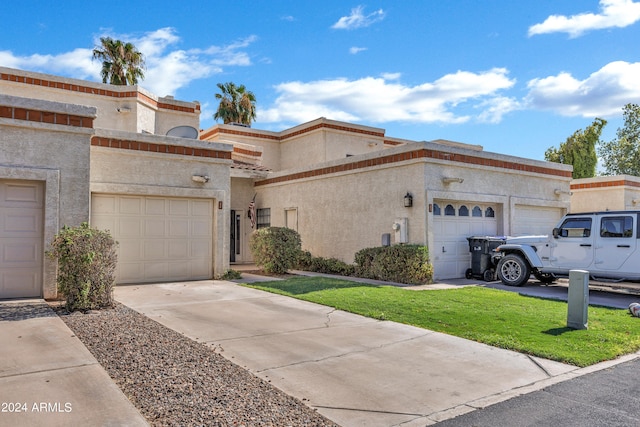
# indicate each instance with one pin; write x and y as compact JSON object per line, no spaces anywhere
{"x":482,"y":248}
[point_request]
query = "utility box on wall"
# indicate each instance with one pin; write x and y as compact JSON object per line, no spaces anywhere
{"x":400,"y":230}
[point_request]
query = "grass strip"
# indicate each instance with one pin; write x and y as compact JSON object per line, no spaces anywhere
{"x":502,"y":319}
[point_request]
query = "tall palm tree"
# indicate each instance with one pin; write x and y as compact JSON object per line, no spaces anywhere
{"x":237,"y":104}
{"x":122,"y":63}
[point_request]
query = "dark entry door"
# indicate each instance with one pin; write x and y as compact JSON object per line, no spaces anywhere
{"x":235,"y":236}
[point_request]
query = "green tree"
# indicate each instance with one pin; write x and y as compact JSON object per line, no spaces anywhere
{"x":122,"y":63}
{"x":237,"y":104}
{"x":579,"y":150}
{"x":621,"y":156}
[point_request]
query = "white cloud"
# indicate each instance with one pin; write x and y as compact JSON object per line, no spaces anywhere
{"x":355,"y":50}
{"x":358,"y":19}
{"x":603,"y":93}
{"x":167,"y":68}
{"x":613,"y":13}
{"x":383,"y":99}
{"x":76,"y":63}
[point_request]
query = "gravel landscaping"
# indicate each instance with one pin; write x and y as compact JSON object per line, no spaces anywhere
{"x":173,"y":380}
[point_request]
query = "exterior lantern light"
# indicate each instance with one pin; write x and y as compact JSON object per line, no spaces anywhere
{"x":408,"y":200}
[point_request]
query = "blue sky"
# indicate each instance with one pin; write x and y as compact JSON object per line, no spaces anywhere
{"x":513,"y":76}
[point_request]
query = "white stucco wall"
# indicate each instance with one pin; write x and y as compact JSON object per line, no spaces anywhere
{"x":342,"y":212}
{"x":619,"y":192}
{"x":58,"y":156}
{"x":122,"y":171}
{"x":125,"y":108}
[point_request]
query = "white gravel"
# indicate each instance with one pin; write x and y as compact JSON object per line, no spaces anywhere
{"x":173,"y":380}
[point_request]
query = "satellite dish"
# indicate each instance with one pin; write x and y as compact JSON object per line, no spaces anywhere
{"x":183,"y":132}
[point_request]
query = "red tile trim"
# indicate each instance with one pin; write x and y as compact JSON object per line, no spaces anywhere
{"x":96,"y":91}
{"x":284,"y":135}
{"x":604,"y":184}
{"x":417,"y":154}
{"x":247,"y":152}
{"x":122,"y":144}
{"x":40,"y":116}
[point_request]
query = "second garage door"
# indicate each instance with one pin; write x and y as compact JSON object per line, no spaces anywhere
{"x":21,"y":238}
{"x":160,"y":238}
{"x":535,"y":220}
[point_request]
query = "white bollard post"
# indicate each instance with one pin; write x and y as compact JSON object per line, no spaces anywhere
{"x":578,"y":299}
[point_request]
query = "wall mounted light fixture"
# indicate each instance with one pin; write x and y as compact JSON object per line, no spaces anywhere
{"x":558,"y":192}
{"x":449,"y":180}
{"x":200,"y":178}
{"x":408,"y":200}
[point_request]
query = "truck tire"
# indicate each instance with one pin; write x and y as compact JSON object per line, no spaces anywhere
{"x":513,"y":270}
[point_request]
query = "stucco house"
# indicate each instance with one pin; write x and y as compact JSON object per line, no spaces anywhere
{"x":74,"y":151}
{"x":344,"y":186}
{"x":605,"y":193}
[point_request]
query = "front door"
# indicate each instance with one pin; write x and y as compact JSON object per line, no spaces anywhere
{"x":235,"y":236}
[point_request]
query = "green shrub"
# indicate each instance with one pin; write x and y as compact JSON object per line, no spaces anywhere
{"x":399,"y":263}
{"x":308,"y":262}
{"x":231,"y":275}
{"x":275,"y":249}
{"x":87,"y":261}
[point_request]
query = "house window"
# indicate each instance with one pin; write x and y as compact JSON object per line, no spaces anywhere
{"x":436,"y":209}
{"x":463,"y":211}
{"x":450,"y":211}
{"x":263,"y":218}
{"x":476,"y":212}
{"x":489,"y":213}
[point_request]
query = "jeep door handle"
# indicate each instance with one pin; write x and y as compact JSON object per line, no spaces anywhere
{"x":624,"y":246}
{"x":586,"y":245}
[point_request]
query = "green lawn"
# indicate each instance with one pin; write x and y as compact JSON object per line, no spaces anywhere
{"x":503,"y":319}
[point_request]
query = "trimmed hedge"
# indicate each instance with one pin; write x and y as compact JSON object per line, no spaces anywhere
{"x":308,"y":262}
{"x":399,"y":263}
{"x":275,"y":249}
{"x":87,"y":261}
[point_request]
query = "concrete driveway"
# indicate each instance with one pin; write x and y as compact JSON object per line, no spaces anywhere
{"x":352,"y":369}
{"x":49,"y":378}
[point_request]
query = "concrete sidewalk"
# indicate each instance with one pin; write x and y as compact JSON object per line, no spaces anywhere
{"x":48,"y":377}
{"x":352,"y":369}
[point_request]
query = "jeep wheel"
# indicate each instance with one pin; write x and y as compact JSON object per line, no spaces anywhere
{"x":513,"y":270}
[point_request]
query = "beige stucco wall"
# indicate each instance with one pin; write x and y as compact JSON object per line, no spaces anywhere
{"x":327,"y":143}
{"x":135,"y":111}
{"x":620,"y":192}
{"x":119,"y":171}
{"x":341,"y":213}
{"x":57,"y":155}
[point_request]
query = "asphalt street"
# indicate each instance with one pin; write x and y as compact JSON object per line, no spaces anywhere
{"x":610,"y":397}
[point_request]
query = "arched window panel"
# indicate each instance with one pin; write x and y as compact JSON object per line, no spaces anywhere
{"x":463,"y":211}
{"x":450,"y":211}
{"x":489,"y":212}
{"x":436,"y":209}
{"x":476,"y":212}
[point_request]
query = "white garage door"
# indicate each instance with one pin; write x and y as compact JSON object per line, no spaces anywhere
{"x":535,"y":220}
{"x":453,"y":222}
{"x":160,"y":238}
{"x":21,"y":238}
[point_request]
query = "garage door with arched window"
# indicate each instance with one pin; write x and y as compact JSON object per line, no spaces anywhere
{"x":453,"y":222}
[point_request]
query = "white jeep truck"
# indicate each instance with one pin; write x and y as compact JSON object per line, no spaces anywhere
{"x":603,"y":243}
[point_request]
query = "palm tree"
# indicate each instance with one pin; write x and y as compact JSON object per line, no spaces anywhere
{"x":122,"y":63}
{"x":237,"y":104}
